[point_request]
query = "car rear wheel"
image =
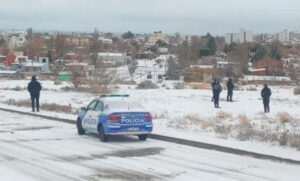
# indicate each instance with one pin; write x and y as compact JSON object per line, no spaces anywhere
{"x":143,"y":137}
{"x":103,"y":137}
{"x":80,"y":130}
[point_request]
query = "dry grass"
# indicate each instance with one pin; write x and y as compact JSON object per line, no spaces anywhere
{"x":124,"y":82}
{"x":297,"y":91}
{"x":56,"y":108}
{"x":223,"y":129}
{"x":284,"y":117}
{"x":17,"y":88}
{"x":251,"y":89}
{"x":178,"y":123}
{"x":159,"y":116}
{"x":205,"y":125}
{"x":147,"y":85}
{"x":193,"y":118}
{"x":294,"y":140}
{"x":282,"y":139}
{"x":223,"y":115}
{"x":243,"y":119}
{"x":201,"y":85}
{"x":48,"y":107}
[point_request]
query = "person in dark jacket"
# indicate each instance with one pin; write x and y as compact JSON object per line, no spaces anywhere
{"x":217,"y":88}
{"x":230,"y":87}
{"x":212,"y":87}
{"x":34,"y":88}
{"x":266,"y":94}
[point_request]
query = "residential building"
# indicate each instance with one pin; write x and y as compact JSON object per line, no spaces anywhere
{"x":106,"y":40}
{"x":113,"y":58}
{"x":84,"y":41}
{"x":225,"y":64}
{"x":16,"y":40}
{"x":284,"y":36}
{"x":242,"y":37}
{"x":153,"y":38}
{"x":36,"y":67}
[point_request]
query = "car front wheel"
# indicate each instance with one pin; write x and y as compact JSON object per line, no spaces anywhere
{"x":80,"y":130}
{"x":143,"y":137}
{"x":102,"y":136}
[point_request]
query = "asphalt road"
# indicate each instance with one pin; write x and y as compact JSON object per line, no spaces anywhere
{"x":39,"y":149}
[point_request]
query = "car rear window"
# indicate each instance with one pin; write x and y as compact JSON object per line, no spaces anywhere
{"x":124,"y":106}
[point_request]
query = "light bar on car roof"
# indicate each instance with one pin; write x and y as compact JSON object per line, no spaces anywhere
{"x":113,"y":95}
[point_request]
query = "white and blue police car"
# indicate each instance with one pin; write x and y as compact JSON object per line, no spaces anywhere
{"x":114,"y":115}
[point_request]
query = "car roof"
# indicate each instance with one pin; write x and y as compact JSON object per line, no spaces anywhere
{"x":115,"y":99}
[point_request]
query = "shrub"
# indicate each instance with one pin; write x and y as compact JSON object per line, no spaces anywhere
{"x":57,"y":82}
{"x":223,"y":115}
{"x":56,"y":108}
{"x":243,"y":119}
{"x":46,"y":106}
{"x":125,"y":82}
{"x":282,"y":139}
{"x":179,"y":86}
{"x":284,"y":117}
{"x":251,"y":89}
{"x":223,"y":129}
{"x":178,"y":123}
{"x":297,"y":91}
{"x":159,"y":116}
{"x":204,"y":125}
{"x":147,"y":85}
{"x":17,"y":88}
{"x":20,"y":103}
{"x":244,"y":130}
{"x":193,"y":118}
{"x":294,"y":140}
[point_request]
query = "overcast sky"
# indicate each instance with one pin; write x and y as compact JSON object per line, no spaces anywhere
{"x":143,"y":16}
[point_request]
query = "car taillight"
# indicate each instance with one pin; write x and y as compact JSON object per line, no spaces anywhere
{"x":148,"y":116}
{"x":114,"y":117}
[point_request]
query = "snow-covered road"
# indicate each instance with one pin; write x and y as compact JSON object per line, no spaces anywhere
{"x":38,"y":149}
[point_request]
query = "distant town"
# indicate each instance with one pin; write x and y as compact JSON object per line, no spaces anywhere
{"x":79,"y":57}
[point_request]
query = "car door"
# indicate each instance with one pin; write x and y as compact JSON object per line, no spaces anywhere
{"x":95,"y":116}
{"x":88,"y":118}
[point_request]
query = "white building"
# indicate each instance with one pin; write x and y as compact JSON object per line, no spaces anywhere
{"x":284,"y":36}
{"x":42,"y":66}
{"x":15,"y":39}
{"x":242,"y":37}
{"x":106,"y":40}
{"x":113,"y":58}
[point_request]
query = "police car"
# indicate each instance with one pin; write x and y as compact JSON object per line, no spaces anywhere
{"x":114,"y":115}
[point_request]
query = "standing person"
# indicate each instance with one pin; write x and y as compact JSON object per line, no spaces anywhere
{"x":34,"y":88}
{"x":266,"y":94}
{"x":217,"y":88}
{"x":212,"y":87}
{"x":230,"y":87}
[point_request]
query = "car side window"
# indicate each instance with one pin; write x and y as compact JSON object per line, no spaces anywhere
{"x":92,"y":105}
{"x":99,"y":106}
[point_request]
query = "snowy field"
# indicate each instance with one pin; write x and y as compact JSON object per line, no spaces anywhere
{"x":34,"y":149}
{"x":189,"y":113}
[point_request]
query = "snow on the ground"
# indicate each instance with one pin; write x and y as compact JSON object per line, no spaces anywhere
{"x":10,"y":84}
{"x":39,"y":149}
{"x":171,"y":108}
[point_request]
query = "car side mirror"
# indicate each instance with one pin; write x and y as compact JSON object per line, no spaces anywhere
{"x":83,"y":109}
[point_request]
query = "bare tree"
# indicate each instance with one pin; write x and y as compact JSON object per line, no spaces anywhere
{"x":240,"y":56}
{"x":4,"y":49}
{"x":34,"y":47}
